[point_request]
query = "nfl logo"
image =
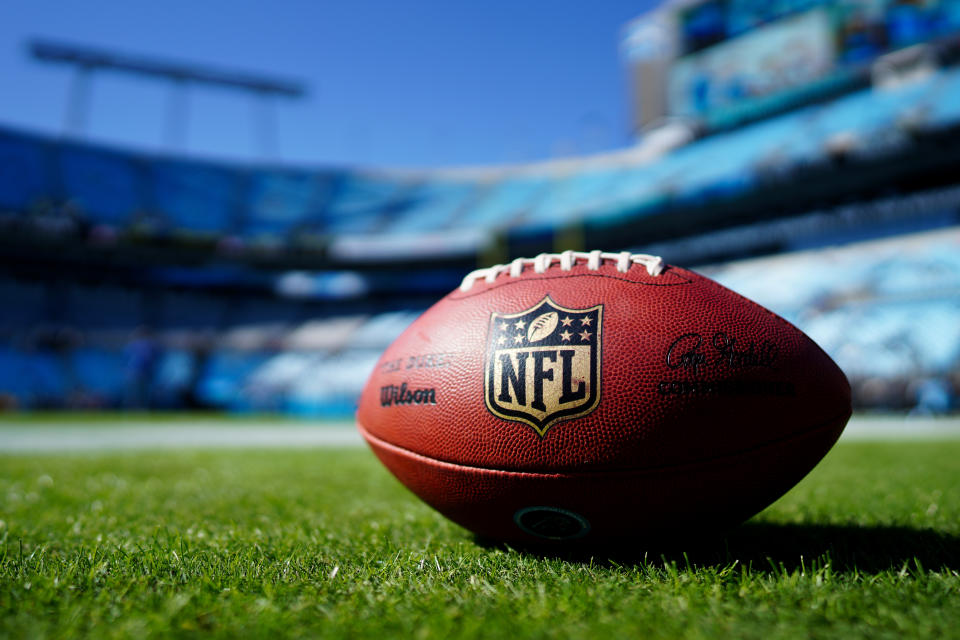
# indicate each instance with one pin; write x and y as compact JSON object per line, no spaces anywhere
{"x":543,"y":364}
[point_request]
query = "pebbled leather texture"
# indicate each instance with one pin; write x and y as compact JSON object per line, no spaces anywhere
{"x":688,"y":375}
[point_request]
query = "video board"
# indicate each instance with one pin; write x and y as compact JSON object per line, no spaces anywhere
{"x":735,"y":51}
{"x":714,"y":21}
{"x":868,"y":25}
{"x":869,"y":28}
{"x":788,"y":53}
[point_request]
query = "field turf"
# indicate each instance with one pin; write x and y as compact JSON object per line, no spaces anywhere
{"x":323,"y":542}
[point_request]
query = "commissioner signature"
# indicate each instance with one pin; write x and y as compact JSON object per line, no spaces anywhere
{"x":692,"y":351}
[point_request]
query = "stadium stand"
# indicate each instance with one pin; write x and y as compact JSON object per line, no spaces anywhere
{"x":430,"y":205}
{"x":101,"y":372}
{"x":30,"y":309}
{"x":203,"y":199}
{"x":274,"y":288}
{"x":280,"y":202}
{"x":360,"y":203}
{"x":506,"y":199}
{"x":104,"y":307}
{"x":888,"y":311}
{"x":25,"y":177}
{"x":106,"y":186}
{"x":223,"y":378}
{"x":32,"y":378}
{"x":196,"y":198}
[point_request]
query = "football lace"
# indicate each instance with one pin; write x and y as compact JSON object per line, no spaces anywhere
{"x":624,"y":260}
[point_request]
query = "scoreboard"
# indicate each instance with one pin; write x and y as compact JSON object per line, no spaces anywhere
{"x":728,"y":57}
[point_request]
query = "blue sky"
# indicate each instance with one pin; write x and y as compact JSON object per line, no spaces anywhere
{"x":409,"y":84}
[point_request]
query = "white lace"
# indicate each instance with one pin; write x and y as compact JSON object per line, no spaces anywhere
{"x":624,"y":260}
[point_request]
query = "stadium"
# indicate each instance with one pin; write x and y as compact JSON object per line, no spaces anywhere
{"x":184,"y":340}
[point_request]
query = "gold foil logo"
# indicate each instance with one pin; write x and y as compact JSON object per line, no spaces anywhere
{"x":543,"y":364}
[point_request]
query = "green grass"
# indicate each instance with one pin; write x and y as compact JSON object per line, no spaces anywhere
{"x":325,"y":543}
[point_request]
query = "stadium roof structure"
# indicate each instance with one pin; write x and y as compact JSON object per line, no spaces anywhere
{"x":88,"y":59}
{"x":93,"y":58}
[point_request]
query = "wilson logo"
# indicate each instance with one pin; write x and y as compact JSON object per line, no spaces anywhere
{"x":393,"y":395}
{"x":543,"y":364}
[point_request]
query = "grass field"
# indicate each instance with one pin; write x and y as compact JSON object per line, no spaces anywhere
{"x":323,"y":542}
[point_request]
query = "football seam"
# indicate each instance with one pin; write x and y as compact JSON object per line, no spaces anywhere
{"x":521,"y":279}
{"x":632,"y":470}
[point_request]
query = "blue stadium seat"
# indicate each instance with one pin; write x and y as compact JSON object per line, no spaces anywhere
{"x":196,"y":199}
{"x":25,"y":305}
{"x":944,"y":100}
{"x":720,"y":166}
{"x":223,"y":381}
{"x":380,"y":330}
{"x":35,"y":378}
{"x":642,"y":190}
{"x":279,"y":201}
{"x":360,"y":203}
{"x":888,"y":308}
{"x":173,"y":377}
{"x":779,"y":139}
{"x":331,"y":386}
{"x":575,"y":196}
{"x":430,"y":206}
{"x":895,"y":101}
{"x":25,"y":171}
{"x":101,"y":371}
{"x":12,"y":379}
{"x":255,"y":311}
{"x":275,"y":375}
{"x":107,"y":187}
{"x":192,"y":311}
{"x":103,"y":307}
{"x":885,"y":339}
{"x":505,"y":201}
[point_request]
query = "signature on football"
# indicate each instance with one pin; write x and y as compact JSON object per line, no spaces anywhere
{"x":692,"y":351}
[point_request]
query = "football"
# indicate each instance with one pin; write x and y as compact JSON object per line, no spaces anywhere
{"x":600,"y":396}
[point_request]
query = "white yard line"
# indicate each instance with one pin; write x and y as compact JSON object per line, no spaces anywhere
{"x":863,"y":427}
{"x":62,"y":436}
{"x":27,"y":438}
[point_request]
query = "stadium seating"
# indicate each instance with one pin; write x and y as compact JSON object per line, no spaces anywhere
{"x":573,"y":197}
{"x":25,"y":172}
{"x":430,"y":206}
{"x":359,"y":203}
{"x":276,"y":206}
{"x":107,"y":187}
{"x":36,"y":379}
{"x":882,"y":309}
{"x":173,"y":379}
{"x":104,"y":307}
{"x":888,"y":308}
{"x":504,"y":201}
{"x":101,"y":372}
{"x":223,"y":380}
{"x":30,"y":309}
{"x":196,"y":198}
{"x":941,"y":105}
{"x":382,"y":329}
{"x":330,"y":386}
{"x":279,"y":202}
{"x":192,"y":311}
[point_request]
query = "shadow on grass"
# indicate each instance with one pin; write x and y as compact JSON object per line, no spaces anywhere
{"x":773,"y":548}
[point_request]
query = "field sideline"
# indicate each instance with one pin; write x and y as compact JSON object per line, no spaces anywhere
{"x":321,"y":541}
{"x":84,"y":432}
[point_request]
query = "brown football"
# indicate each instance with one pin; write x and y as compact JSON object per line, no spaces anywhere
{"x":597,"y":396}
